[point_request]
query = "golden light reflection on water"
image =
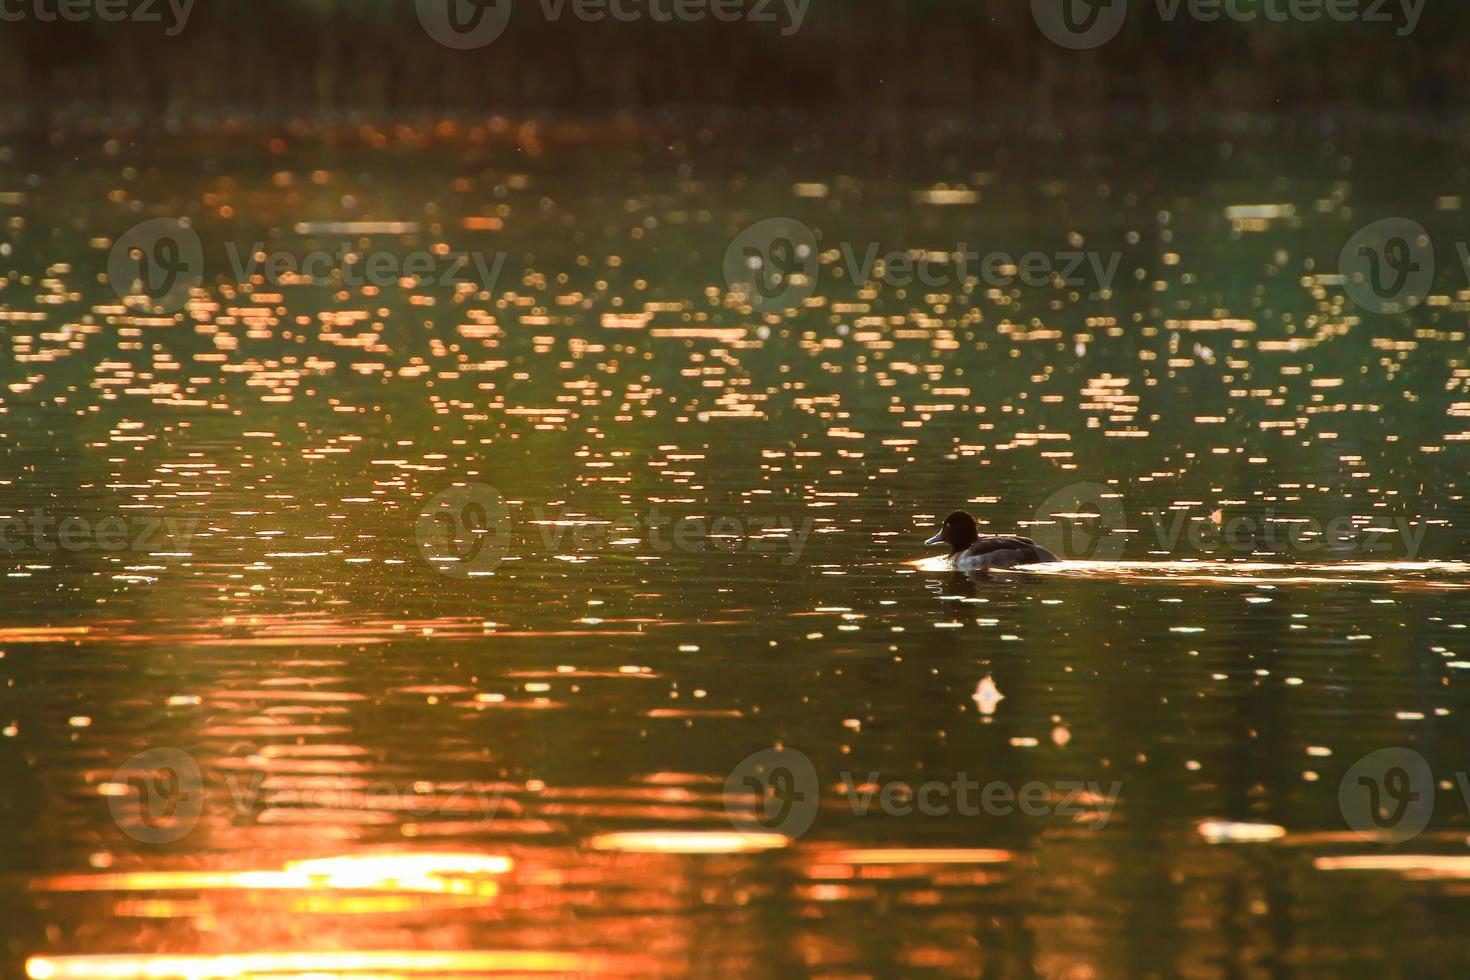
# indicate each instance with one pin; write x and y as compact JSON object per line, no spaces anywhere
{"x":919,"y":855}
{"x":669,"y":842}
{"x":381,"y":964}
{"x":556,"y":730}
{"x":1413,"y":866}
{"x":429,"y":873}
{"x":1240,"y":572}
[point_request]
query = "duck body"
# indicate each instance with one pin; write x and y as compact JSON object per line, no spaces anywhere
{"x":973,"y":552}
{"x":1002,"y":551}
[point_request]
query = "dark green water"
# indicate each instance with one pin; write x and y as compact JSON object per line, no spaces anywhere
{"x":684,"y":533}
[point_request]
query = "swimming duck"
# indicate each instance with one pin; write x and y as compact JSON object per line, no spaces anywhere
{"x":971,"y":551}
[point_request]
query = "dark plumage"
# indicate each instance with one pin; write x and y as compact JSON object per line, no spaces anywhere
{"x":971,"y":551}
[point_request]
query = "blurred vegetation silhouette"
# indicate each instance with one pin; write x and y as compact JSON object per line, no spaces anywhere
{"x":851,"y":60}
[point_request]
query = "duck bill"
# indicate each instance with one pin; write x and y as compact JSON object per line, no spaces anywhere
{"x":937,"y":539}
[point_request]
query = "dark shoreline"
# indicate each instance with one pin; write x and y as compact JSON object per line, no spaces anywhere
{"x":919,"y":128}
{"x":849,"y":59}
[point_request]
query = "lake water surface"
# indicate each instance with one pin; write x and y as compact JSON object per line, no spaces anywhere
{"x":428,"y":627}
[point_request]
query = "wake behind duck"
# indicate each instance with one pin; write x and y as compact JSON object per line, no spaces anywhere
{"x":970,"y":551}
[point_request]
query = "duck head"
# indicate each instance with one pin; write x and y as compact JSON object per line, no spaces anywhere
{"x":959,"y":532}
